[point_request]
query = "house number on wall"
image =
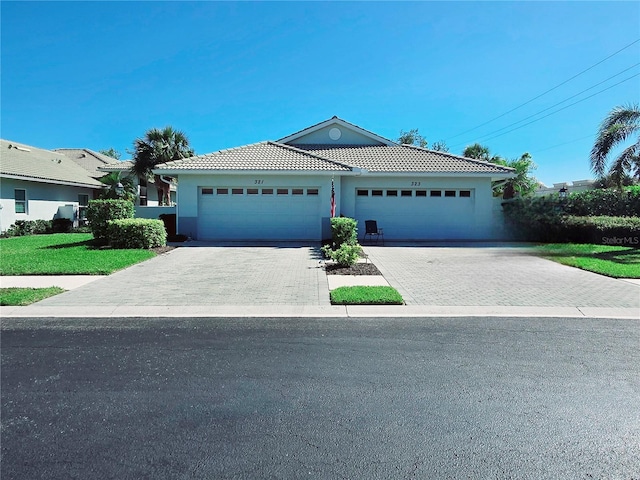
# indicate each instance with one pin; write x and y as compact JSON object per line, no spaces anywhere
{"x":258,"y":182}
{"x":415,"y":184}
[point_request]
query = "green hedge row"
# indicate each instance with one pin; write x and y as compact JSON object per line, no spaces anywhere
{"x":136,"y":233}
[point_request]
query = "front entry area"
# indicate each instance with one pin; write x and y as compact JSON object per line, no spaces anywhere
{"x":259,"y":213}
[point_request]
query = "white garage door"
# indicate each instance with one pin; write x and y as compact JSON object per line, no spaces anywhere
{"x":417,"y":214}
{"x":242,"y":213}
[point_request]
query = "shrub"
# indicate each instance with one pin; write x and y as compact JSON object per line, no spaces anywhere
{"x":61,"y":225}
{"x":28,"y":227}
{"x":136,"y":233}
{"x":607,"y":202}
{"x":602,"y":230}
{"x":100,"y":212}
{"x":344,"y":249}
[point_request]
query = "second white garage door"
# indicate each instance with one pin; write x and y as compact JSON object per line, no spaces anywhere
{"x":436,"y":214}
{"x":242,"y":213}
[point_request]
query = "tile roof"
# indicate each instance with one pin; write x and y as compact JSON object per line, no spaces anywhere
{"x":119,"y":166}
{"x":258,"y":156}
{"x":403,"y":158}
{"x":19,"y":160}
{"x":87,"y":159}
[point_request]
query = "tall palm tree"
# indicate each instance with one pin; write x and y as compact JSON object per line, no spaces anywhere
{"x":159,"y":146}
{"x":618,"y":126}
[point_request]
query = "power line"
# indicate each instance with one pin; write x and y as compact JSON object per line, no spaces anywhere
{"x":544,"y":93}
{"x":554,"y":105}
{"x":563,"y":108}
{"x":562,"y":144}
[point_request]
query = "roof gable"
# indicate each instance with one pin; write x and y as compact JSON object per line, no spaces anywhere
{"x":35,"y":164}
{"x":335,"y":131}
{"x":87,"y":159}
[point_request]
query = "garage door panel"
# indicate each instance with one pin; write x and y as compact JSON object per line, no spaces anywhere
{"x":259,"y":217}
{"x":416,"y":218}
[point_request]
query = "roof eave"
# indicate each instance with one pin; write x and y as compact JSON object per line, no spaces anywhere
{"x":50,"y":181}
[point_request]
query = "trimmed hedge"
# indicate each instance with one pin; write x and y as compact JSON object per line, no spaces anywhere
{"x":602,"y":230}
{"x":136,"y":233}
{"x":28,"y":227}
{"x":100,"y":212}
{"x":603,"y":202}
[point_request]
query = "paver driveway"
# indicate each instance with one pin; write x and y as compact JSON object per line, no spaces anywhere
{"x":211,"y":275}
{"x":499,"y":275}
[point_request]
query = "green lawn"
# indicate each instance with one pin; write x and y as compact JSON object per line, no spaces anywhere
{"x":63,"y":254}
{"x":377,"y":295}
{"x":613,"y":261}
{"x":19,"y":297}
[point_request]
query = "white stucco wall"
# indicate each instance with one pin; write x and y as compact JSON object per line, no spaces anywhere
{"x":43,"y":200}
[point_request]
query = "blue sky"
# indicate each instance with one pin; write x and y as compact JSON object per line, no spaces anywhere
{"x":99,"y":74}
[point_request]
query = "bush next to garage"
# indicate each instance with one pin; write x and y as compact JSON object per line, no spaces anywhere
{"x":556,"y":220}
{"x":136,"y":233}
{"x":344,"y":249}
{"x":100,"y":212}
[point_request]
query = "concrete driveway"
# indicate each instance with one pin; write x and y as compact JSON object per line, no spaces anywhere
{"x":495,"y":275}
{"x":211,"y":275}
{"x":471,"y":276}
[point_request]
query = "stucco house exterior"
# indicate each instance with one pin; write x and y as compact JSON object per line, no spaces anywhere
{"x":282,"y":190}
{"x":37,"y":184}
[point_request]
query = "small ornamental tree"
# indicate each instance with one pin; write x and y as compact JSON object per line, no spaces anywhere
{"x":99,"y":212}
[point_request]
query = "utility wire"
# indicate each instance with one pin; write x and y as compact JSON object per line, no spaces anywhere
{"x":554,"y":105}
{"x":562,"y":144}
{"x":544,"y":93}
{"x":563,"y":108}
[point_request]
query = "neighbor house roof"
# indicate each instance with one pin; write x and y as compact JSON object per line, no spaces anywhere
{"x":119,"y":166}
{"x":403,"y":158}
{"x":88,"y":159}
{"x":258,"y":156}
{"x":29,"y":163}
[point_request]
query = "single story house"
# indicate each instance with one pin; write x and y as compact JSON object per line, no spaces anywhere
{"x":37,"y":184}
{"x":282,"y":190}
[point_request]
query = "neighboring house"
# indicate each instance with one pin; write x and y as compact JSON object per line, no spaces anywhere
{"x":147,"y":193}
{"x":37,"y":184}
{"x":575,"y":186}
{"x":282,"y":190}
{"x":89,"y":160}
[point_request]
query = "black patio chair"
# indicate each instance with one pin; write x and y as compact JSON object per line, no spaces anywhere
{"x":371,"y":230}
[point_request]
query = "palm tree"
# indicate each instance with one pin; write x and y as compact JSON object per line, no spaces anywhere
{"x":618,"y":126}
{"x":159,"y":146}
{"x":111,"y":181}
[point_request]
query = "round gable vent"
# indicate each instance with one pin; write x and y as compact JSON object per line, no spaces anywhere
{"x":335,"y":133}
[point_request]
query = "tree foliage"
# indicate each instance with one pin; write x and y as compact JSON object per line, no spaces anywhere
{"x":412,"y":137}
{"x":111,"y":180}
{"x":156,"y":147}
{"x":111,"y":152}
{"x":619,"y":126}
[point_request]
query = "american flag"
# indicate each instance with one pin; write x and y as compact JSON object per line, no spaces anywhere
{"x":333,"y":200}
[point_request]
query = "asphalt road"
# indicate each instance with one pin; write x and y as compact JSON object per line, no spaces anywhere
{"x":327,"y":398}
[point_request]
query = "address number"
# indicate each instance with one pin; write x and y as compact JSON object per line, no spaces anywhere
{"x":415,"y":184}
{"x":258,"y":182}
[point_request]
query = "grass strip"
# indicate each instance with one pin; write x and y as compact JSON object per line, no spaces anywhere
{"x":376,"y":295}
{"x":63,"y":254}
{"x":19,"y":297}
{"x":610,"y":260}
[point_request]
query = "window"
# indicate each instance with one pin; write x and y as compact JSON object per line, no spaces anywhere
{"x":449,"y":193}
{"x":237,"y":191}
{"x":297,"y":191}
{"x":435,"y":193}
{"x":392,"y":193}
{"x":252,"y":191}
{"x":406,"y":193}
{"x":376,"y":193}
{"x":222,"y":191}
{"x":21,"y":200}
{"x":312,"y":191}
{"x":83,"y":203}
{"x":207,"y":191}
{"x":421,"y":193}
{"x":267,"y":191}
{"x":362,"y":193}
{"x":465,"y":193}
{"x":283,"y":191}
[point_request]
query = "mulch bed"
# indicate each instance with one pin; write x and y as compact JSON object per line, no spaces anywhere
{"x":161,"y":250}
{"x":357,"y":269}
